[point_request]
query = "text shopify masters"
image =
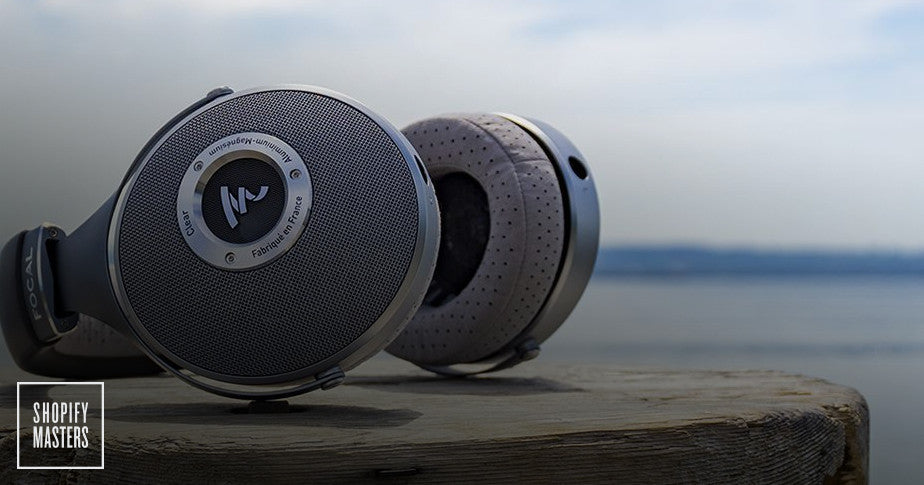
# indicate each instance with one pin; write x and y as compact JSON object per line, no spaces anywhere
{"x":58,"y":425}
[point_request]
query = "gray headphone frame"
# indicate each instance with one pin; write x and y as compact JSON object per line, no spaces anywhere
{"x":92,"y":251}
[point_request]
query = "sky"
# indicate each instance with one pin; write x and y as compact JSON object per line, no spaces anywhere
{"x":729,"y":123}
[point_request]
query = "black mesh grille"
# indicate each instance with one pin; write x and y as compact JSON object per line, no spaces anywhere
{"x":312,"y":302}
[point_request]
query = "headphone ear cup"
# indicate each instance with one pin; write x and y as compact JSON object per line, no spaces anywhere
{"x":502,"y":236}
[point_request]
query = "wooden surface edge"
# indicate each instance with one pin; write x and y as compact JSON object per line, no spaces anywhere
{"x":831,"y":436}
{"x":854,"y":417}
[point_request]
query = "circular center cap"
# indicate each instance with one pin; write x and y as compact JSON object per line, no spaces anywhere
{"x":244,"y":201}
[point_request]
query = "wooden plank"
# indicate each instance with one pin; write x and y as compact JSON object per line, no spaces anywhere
{"x":540,"y":423}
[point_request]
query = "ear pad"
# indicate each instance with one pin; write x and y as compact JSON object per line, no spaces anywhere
{"x":501,"y":237}
{"x":93,"y":338}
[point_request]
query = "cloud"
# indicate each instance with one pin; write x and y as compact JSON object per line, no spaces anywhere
{"x":784,"y":123}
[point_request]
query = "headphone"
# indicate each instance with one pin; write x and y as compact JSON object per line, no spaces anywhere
{"x":266,"y":241}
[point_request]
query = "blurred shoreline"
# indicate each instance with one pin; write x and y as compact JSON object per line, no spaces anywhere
{"x":689,"y":260}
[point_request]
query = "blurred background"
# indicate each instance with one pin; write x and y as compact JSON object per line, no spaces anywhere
{"x":758,"y":163}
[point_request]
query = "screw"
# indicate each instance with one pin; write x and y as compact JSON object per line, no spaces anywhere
{"x":198,"y":165}
{"x":229,"y":258}
{"x":53,"y":233}
{"x":295,"y":174}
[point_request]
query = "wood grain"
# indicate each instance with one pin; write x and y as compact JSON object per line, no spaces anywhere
{"x":539,"y":423}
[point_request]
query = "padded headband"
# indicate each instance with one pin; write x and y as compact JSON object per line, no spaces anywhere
{"x":502,"y":237}
{"x":92,"y":350}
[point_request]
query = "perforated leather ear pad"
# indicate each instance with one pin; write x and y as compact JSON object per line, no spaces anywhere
{"x":93,"y":338}
{"x":501,"y":243}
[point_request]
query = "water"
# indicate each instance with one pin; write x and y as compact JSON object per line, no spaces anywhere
{"x":863,"y":333}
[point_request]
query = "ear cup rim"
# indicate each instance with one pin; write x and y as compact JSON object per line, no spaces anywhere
{"x":522,"y":158}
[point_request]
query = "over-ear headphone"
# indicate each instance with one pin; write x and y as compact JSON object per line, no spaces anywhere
{"x":266,"y":241}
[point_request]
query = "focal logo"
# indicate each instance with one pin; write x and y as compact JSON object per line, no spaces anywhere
{"x":238,"y":204}
{"x":244,"y":201}
{"x":31,"y":298}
